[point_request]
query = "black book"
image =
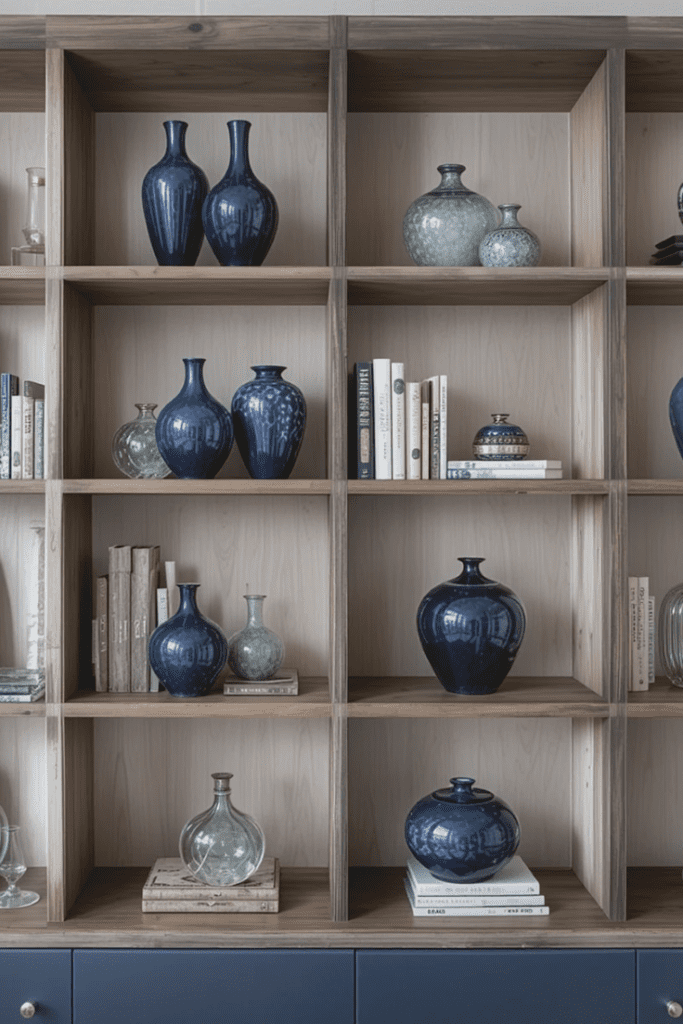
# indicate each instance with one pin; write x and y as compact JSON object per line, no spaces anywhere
{"x":674,"y":260}
{"x":361,"y":423}
{"x":671,"y":240}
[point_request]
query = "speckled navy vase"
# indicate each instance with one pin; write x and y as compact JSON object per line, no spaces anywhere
{"x":173,"y":192}
{"x":194,"y":431}
{"x":188,"y":651}
{"x":240,"y":214}
{"x":676,"y":413}
{"x":462,"y":834}
{"x":445,"y":227}
{"x":471,"y":629}
{"x":510,"y":244}
{"x":500,"y":440}
{"x":269,"y":416}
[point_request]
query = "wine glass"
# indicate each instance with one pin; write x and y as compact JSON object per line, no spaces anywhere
{"x":12,"y":867}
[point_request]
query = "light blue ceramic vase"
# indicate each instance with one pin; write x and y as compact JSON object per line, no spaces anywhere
{"x":445,"y":227}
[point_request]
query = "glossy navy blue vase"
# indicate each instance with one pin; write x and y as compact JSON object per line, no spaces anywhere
{"x":173,"y":192}
{"x":470,"y":629}
{"x":462,"y":834}
{"x":269,"y":416}
{"x":240,"y":214}
{"x":188,"y":651}
{"x":194,"y":431}
{"x":676,"y":413}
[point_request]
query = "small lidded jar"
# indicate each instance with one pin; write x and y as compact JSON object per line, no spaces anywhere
{"x":500,"y":440}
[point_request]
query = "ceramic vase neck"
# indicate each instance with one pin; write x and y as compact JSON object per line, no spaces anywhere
{"x":450,"y":178}
{"x":268,"y":372}
{"x":175,"y":138}
{"x":239,"y":167}
{"x":194,"y":376}
{"x":470,"y":573}
{"x":254,"y":609}
{"x":509,"y":215}
{"x":188,"y":598}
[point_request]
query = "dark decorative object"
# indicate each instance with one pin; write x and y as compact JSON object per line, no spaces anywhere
{"x":173,"y":192}
{"x":194,"y":431}
{"x":269,"y":416}
{"x":470,"y":629}
{"x":462,"y":834}
{"x":500,"y":440}
{"x":240,"y":214}
{"x":188,"y":651}
{"x":676,"y":415}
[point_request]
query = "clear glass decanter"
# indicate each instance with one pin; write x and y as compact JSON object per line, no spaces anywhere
{"x":33,"y":253}
{"x":671,"y":634}
{"x":222,"y":846}
{"x":134,"y":446}
{"x":12,"y":868}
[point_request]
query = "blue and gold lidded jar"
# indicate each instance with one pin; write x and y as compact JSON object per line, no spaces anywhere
{"x":500,"y":440}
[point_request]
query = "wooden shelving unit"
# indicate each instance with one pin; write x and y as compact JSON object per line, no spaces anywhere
{"x":578,"y":119}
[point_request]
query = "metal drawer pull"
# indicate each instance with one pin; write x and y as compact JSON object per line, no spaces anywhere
{"x":674,"y":1009}
{"x":27,"y":1009}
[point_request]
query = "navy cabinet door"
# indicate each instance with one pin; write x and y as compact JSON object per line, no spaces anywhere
{"x":213,"y":986}
{"x":492,"y":986}
{"x":660,"y":981}
{"x":38,"y":976}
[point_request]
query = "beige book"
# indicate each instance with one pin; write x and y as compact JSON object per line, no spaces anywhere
{"x":144,"y":582}
{"x":120,"y":564}
{"x":102,"y":634}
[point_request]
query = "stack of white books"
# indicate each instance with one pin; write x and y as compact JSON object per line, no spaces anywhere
{"x":504,"y":469}
{"x":512,"y":892}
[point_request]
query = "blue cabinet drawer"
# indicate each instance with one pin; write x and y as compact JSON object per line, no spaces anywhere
{"x":213,"y":986}
{"x":660,"y":981}
{"x":38,"y":976}
{"x":490,"y":986}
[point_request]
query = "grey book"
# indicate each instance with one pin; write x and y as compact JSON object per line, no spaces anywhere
{"x":120,"y":562}
{"x":22,"y":698}
{"x":284,"y":683}
{"x":170,"y":879}
{"x":102,"y":634}
{"x":144,"y":583}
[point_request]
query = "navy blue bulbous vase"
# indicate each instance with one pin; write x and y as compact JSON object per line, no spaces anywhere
{"x":470,"y":629}
{"x":194,"y":431}
{"x":188,"y":651}
{"x":269,"y":416}
{"x":173,"y":192}
{"x":676,"y":413}
{"x":462,"y":834}
{"x":240,"y":214}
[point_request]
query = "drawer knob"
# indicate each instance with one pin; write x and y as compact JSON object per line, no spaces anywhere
{"x":27,"y":1009}
{"x":674,"y":1009}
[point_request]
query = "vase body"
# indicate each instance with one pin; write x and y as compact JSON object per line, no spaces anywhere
{"x":240,"y":214}
{"x":445,"y":227}
{"x":173,"y":192}
{"x":462,"y":834}
{"x":134,"y":447}
{"x":269,"y":417}
{"x":222,"y":846}
{"x":510,"y":244}
{"x":676,"y":414}
{"x":255,"y":652}
{"x":670,"y":630}
{"x":194,"y":431}
{"x":470,"y":629}
{"x":188,"y":651}
{"x":500,"y":440}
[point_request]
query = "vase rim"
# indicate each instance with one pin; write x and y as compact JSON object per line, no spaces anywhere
{"x":174,"y":121}
{"x":463,"y":792}
{"x":268,"y":366}
{"x":509,"y":206}
{"x":195,"y":585}
{"x":194,"y":359}
{"x":257,"y":597}
{"x":451,"y":168}
{"x":239,"y":120}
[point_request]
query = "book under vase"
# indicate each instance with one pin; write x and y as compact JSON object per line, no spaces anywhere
{"x":512,"y":892}
{"x":171,"y":889}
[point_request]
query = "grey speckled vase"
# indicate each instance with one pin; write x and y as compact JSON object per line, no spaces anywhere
{"x":444,"y":227}
{"x":510,"y":245}
{"x":255,"y":652}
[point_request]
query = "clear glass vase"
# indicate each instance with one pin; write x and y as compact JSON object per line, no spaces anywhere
{"x":134,"y":446}
{"x":671,"y":634}
{"x":255,"y":652}
{"x":33,"y":252}
{"x":222,"y":846}
{"x":12,"y":868}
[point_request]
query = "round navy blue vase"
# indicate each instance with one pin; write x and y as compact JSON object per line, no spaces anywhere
{"x":173,"y":192}
{"x":269,"y":416}
{"x":676,"y":413}
{"x":188,"y":651}
{"x":240,"y":214}
{"x":462,"y":834}
{"x":194,"y":431}
{"x":470,"y":629}
{"x":500,"y":440}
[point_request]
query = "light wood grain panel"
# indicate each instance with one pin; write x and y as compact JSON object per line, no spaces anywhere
{"x":654,"y":286}
{"x":481,"y":32}
{"x":76,"y":591}
{"x":78,"y":823}
{"x":22,"y":145}
{"x":18,"y":513}
{"x":399,"y":549}
{"x":654,"y":156}
{"x":126,"y":32}
{"x":655,"y":77}
{"x":455,"y":488}
{"x":22,"y":32}
{"x":589,"y":321}
{"x":661,"y":700}
{"x":151,"y":777}
{"x":654,"y":769}
{"x":590,"y":576}
{"x":72,"y":436}
{"x":79,"y":128}
{"x":392,"y":159}
{"x":128,"y":368}
{"x":22,"y":76}
{"x":590,"y":806}
{"x":23,"y":777}
{"x":171,"y":485}
{"x":288,"y":152}
{"x":589,"y":169}
{"x":509,"y":757}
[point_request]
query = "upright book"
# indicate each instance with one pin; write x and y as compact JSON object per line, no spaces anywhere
{"x":144,"y":582}
{"x":398,"y":422}
{"x":102,"y":634}
{"x":413,"y":431}
{"x":9,"y":386}
{"x":381,"y":372}
{"x":120,"y":564}
{"x":32,"y":391}
{"x":361,"y":428}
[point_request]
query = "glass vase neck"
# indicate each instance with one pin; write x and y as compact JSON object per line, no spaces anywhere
{"x":175,"y":137}
{"x":254,"y":609}
{"x":188,"y":598}
{"x":221,"y":783}
{"x":145,"y":410}
{"x":509,"y":215}
{"x":450,"y":178}
{"x":268,"y":372}
{"x":239,"y":166}
{"x":470,"y":573}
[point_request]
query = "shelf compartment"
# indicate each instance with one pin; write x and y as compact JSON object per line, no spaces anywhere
{"x":662,"y":700}
{"x":518,"y":697}
{"x":197,"y":488}
{"x":420,"y":488}
{"x":655,"y":286}
{"x":654,"y":81}
{"x":22,"y":286}
{"x":655,"y":904}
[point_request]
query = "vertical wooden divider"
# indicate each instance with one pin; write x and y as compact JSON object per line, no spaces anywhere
{"x":337,"y":467}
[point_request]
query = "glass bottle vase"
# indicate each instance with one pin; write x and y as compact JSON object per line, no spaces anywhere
{"x":255,"y":652}
{"x":134,"y":446}
{"x":670,"y":629}
{"x":33,"y":252}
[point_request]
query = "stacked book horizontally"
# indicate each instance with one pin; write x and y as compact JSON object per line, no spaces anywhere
{"x":504,"y":469}
{"x":21,"y":685}
{"x":22,"y":429}
{"x":171,"y":889}
{"x":512,"y":892}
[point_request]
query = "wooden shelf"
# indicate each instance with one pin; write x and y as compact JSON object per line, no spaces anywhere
{"x":659,"y":488}
{"x":420,"y":488}
{"x":518,"y":697}
{"x":197,"y":487}
{"x":36,"y":709}
{"x":22,"y":286}
{"x":472,"y":286}
{"x":22,"y":70}
{"x":654,"y":286}
{"x":26,"y":920}
{"x":22,"y":487}
{"x":663,"y":700}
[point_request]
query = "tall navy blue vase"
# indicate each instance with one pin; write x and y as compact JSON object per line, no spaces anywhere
{"x":240,"y":214}
{"x":676,"y":412}
{"x":269,"y":416}
{"x":194,"y":431}
{"x":188,"y":651}
{"x":470,"y":629}
{"x":173,"y":192}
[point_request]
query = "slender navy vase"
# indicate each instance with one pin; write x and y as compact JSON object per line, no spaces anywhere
{"x":269,"y":415}
{"x":188,"y":651}
{"x":470,"y":629}
{"x":240,"y":214}
{"x":462,"y":834}
{"x":172,"y":195}
{"x":194,"y":431}
{"x":676,"y":411}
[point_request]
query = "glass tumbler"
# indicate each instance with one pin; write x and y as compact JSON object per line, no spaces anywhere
{"x":12,"y":868}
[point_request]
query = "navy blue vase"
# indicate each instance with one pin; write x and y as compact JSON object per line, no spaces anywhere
{"x":676,"y":412}
{"x":194,"y":431}
{"x":462,"y":834}
{"x":470,"y":629}
{"x":240,"y":214}
{"x":188,"y":651}
{"x":269,"y":416}
{"x":173,"y":192}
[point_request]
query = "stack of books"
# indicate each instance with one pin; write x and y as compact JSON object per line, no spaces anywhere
{"x":641,"y":633}
{"x":171,"y":889}
{"x":669,"y":252}
{"x":21,"y":685}
{"x":504,"y":469}
{"x":22,"y":429}
{"x":512,"y":892}
{"x":285,"y":683}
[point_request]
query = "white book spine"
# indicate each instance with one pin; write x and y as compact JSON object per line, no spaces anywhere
{"x":27,"y":408}
{"x":651,"y":641}
{"x":480,"y":911}
{"x":424,"y":447}
{"x":39,"y":440}
{"x":443,"y":425}
{"x":641,"y":633}
{"x":16,"y":437}
{"x":381,"y":369}
{"x":473,"y":901}
{"x":171,"y":588}
{"x":632,"y":628}
{"x":520,"y":464}
{"x":35,"y":575}
{"x":504,"y":474}
{"x":398,"y":422}
{"x":162,"y":615}
{"x":413,"y":431}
